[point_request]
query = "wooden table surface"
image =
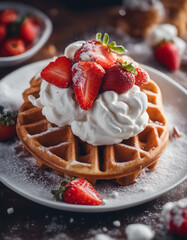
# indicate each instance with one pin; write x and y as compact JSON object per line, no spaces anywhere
{"x":33,"y":221}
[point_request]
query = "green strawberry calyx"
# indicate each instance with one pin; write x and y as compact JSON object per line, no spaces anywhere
{"x":128,"y":67}
{"x":58,"y":193}
{"x":105,"y":41}
{"x":7,"y":118}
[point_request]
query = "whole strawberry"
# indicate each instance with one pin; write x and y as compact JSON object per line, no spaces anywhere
{"x":100,"y":51}
{"x":28,"y":31}
{"x":7,"y":126}
{"x":119,"y":78}
{"x":174,"y":215}
{"x":167,"y":53}
{"x":77,"y":191}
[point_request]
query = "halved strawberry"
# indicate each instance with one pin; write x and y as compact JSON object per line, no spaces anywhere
{"x":58,"y":72}
{"x":8,"y":16}
{"x":7,"y":126}
{"x":118,"y":79}
{"x":87,"y":78}
{"x":77,"y":191}
{"x":94,"y":51}
{"x":142,"y":76}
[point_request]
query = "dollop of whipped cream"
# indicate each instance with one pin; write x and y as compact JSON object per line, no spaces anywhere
{"x":112,"y":117}
{"x":166,"y":32}
{"x":72,"y":48}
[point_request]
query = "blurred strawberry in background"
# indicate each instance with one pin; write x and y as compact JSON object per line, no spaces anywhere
{"x":17,"y":33}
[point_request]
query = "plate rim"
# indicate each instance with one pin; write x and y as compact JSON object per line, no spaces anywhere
{"x":101,"y":208}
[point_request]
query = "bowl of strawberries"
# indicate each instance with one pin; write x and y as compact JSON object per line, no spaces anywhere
{"x":23,"y":31}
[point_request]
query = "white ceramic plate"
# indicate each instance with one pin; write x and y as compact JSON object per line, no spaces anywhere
{"x":20,"y":173}
{"x":46,"y":32}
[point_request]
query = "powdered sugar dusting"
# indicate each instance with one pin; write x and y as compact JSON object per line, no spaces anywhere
{"x":87,"y":53}
{"x":78,"y":74}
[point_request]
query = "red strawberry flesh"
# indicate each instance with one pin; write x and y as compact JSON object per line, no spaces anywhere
{"x":8,"y":16}
{"x":142,"y":77}
{"x":87,"y":78}
{"x":94,"y":51}
{"x":28,"y":31}
{"x":80,"y":191}
{"x":58,"y":72}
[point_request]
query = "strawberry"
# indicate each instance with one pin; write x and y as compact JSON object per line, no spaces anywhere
{"x":3,"y":32}
{"x":87,"y":78}
{"x":174,"y":227}
{"x":58,"y":72}
{"x":142,"y":76}
{"x":28,"y":31}
{"x":168,"y":54}
{"x":174,"y":214}
{"x":8,"y":16}
{"x":7,"y":126}
{"x":77,"y":191}
{"x":119,"y":78}
{"x":12,"y":47}
{"x":94,"y":51}
{"x":99,"y":51}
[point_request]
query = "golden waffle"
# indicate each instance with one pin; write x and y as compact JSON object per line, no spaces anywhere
{"x":58,"y":148}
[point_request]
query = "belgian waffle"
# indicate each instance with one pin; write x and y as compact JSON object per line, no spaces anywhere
{"x":58,"y":148}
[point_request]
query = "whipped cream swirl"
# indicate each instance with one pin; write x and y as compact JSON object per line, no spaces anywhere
{"x":112,"y":117}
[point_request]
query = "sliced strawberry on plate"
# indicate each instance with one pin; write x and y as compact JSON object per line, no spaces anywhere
{"x":7,"y":126}
{"x":167,"y":53}
{"x":58,"y":72}
{"x":28,"y":31}
{"x":142,"y":77}
{"x":77,"y":191}
{"x":12,"y":47}
{"x":119,"y":78}
{"x":8,"y":16}
{"x":3,"y":32}
{"x":87,"y":78}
